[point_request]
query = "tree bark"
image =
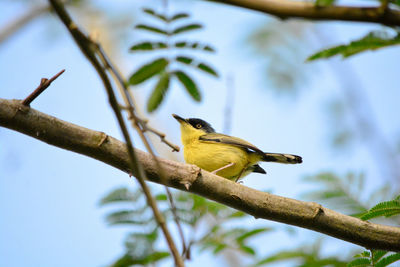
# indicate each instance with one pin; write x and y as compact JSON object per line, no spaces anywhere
{"x":98,"y":145}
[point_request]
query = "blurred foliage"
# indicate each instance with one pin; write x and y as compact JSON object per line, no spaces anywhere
{"x":344,"y":132}
{"x":303,"y":256}
{"x":346,"y":194}
{"x":210,"y":226}
{"x":169,"y":67}
{"x":372,"y":41}
{"x":281,"y":48}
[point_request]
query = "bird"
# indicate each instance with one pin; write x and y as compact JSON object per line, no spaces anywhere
{"x":226,"y":156}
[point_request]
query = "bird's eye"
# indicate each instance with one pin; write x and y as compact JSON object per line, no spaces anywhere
{"x":198,"y":126}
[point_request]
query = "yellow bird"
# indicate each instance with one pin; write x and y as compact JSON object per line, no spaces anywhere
{"x":221,"y":154}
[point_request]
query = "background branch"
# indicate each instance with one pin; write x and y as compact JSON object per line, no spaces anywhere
{"x":14,"y":115}
{"x":301,"y":9}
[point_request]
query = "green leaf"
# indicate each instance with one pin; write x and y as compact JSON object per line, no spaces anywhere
{"x":207,"y":69}
{"x":377,"y":255}
{"x":178,"y":16}
{"x":364,"y":254}
{"x":372,"y":41}
{"x":360,"y":262}
{"x":147,"y":71}
{"x":186,"y":28}
{"x":251,"y":233}
{"x":189,"y":84}
{"x":198,"y":65}
{"x":219,"y":248}
{"x":158,"y":93}
{"x":248,"y":250}
{"x":152,"y":29}
{"x":280,"y":256}
{"x":387,"y":209}
{"x":129,"y":260}
{"x":155,"y":14}
{"x":194,"y":45}
{"x":388,"y":260}
{"x":148,"y":46}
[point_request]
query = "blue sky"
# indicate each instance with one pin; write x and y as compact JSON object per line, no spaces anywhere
{"x":49,"y":197}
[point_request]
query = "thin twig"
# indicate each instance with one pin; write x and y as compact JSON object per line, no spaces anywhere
{"x":185,"y":251}
{"x":141,"y":127}
{"x":86,"y":46}
{"x":44,"y":83}
{"x":128,"y":98}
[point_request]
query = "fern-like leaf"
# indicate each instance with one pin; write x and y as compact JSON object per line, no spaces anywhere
{"x":189,"y":85}
{"x":148,"y":46}
{"x":147,"y":71}
{"x":388,"y":260}
{"x":360,"y":262}
{"x":372,"y":41}
{"x":152,"y":29}
{"x":387,"y":209}
{"x":158,"y":93}
{"x":194,"y":45}
{"x":199,"y":65}
{"x":155,"y":14}
{"x":186,"y":28}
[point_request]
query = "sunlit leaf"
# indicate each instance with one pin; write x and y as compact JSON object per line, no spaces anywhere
{"x":155,"y":14}
{"x":147,"y":71}
{"x":372,"y":41}
{"x":148,"y":46}
{"x":158,"y":93}
{"x":189,"y":84}
{"x":186,"y":28}
{"x":152,"y":29}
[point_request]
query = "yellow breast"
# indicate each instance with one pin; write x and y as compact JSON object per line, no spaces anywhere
{"x":210,"y":157}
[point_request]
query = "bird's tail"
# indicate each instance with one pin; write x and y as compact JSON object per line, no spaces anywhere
{"x":282,"y":158}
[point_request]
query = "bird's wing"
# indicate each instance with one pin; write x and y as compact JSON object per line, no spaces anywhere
{"x":230,"y":140}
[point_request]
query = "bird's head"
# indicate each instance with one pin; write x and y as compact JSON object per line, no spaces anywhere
{"x":192,"y":128}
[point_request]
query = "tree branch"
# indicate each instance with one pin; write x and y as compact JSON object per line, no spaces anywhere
{"x":301,"y":9}
{"x":98,"y":145}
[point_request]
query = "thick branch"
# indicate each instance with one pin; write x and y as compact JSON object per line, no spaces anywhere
{"x":308,"y":10}
{"x":98,"y":145}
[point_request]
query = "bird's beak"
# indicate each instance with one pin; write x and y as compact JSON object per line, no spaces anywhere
{"x":179,"y":119}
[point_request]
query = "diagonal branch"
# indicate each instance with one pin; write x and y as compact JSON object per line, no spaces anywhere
{"x":97,"y":145}
{"x":301,"y":9}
